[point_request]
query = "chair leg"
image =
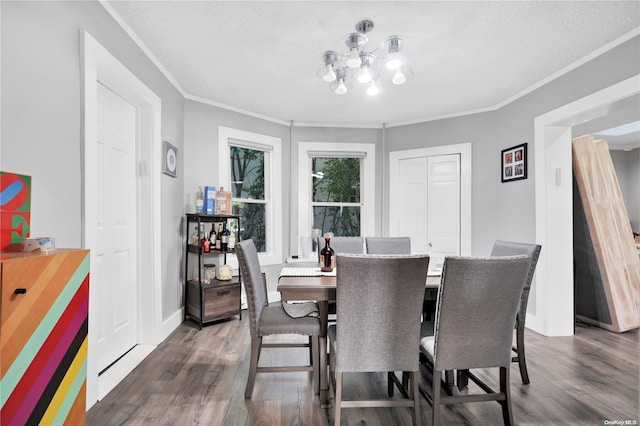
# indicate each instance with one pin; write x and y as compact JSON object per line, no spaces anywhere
{"x":462,"y":379}
{"x":507,"y":412}
{"x":413,"y":394}
{"x":315,"y":362}
{"x":337,"y":400}
{"x":390,"y":384}
{"x":435,"y":395}
{"x":522,"y":360}
{"x":256,"y":345}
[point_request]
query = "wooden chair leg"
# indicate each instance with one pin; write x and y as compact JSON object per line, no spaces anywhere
{"x":507,"y":412}
{"x":435,"y":395}
{"x":522,"y":360}
{"x":462,"y":380}
{"x":337,"y":400}
{"x":414,"y":395}
{"x":315,"y":362}
{"x":390,"y":384}
{"x":256,"y":345}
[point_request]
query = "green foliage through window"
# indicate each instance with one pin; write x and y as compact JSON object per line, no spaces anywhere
{"x":247,"y":184}
{"x":336,"y":195}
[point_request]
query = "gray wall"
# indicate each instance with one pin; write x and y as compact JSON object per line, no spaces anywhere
{"x":201,"y":156}
{"x":627,"y":165}
{"x":41,"y":132}
{"x":507,"y":210}
{"x":41,"y":128}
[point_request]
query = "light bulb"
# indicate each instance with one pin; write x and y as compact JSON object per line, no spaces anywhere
{"x":394,"y":61}
{"x":364,"y":76}
{"x":341,"y":89}
{"x":329,"y":75}
{"x":353,"y":60}
{"x":399,"y":77}
{"x":373,"y":89}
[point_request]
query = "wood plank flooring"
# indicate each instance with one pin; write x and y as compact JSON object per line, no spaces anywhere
{"x":197,"y":377}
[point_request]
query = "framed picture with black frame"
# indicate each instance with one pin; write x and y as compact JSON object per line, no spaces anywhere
{"x":514,"y":163}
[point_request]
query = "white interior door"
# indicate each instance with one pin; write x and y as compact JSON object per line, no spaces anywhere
{"x":114,"y":268}
{"x":411,"y":202}
{"x":430,"y":201}
{"x":443,"y":209}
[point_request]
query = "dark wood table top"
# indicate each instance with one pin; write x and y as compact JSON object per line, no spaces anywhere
{"x":321,"y":287}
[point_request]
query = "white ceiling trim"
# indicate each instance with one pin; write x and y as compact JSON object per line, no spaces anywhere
{"x":120,"y":21}
{"x":116,"y":16}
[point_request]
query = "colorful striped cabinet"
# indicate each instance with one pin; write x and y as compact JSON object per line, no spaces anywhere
{"x":43,"y":337}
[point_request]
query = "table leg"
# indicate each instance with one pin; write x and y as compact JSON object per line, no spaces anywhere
{"x":324,"y":382}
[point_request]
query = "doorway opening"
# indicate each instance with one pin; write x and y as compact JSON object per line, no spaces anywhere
{"x":553,"y":286}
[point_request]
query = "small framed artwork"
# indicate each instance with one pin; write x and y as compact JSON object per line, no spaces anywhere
{"x":169,"y":159}
{"x":514,"y":163}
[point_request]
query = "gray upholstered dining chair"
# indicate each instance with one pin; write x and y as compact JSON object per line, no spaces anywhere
{"x":388,"y":245}
{"x":266,"y":320}
{"x":478,"y":301}
{"x":508,"y":248}
{"x":378,"y":325}
{"x":341,"y":245}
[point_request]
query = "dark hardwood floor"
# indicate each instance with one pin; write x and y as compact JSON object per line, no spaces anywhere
{"x":197,"y":377}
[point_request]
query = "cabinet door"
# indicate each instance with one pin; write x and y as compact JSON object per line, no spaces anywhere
{"x":43,"y":338}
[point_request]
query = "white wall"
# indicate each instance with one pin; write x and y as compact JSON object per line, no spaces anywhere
{"x":41,"y":125}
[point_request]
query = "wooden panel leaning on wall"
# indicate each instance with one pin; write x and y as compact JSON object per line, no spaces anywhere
{"x":610,"y":232}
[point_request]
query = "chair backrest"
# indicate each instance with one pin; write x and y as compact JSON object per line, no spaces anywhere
{"x":478,"y":300}
{"x":251,"y":276}
{"x":378,"y":306}
{"x":343,"y":245}
{"x":508,"y":248}
{"x":388,"y":245}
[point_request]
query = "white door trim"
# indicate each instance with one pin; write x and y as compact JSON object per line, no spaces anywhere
{"x":98,"y":65}
{"x":464,"y":149}
{"x":553,"y":286}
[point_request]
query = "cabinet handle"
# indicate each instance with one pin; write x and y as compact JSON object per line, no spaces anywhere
{"x":222,"y":293}
{"x":20,"y":291}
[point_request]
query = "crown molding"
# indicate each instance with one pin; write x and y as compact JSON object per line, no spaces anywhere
{"x":116,"y":16}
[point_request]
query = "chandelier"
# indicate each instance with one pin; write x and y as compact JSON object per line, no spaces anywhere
{"x":363,"y":65}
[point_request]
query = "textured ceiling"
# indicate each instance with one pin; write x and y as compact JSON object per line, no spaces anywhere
{"x":263,"y":56}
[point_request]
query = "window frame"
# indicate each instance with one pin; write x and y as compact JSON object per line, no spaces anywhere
{"x":272,"y":146}
{"x":367,"y":183}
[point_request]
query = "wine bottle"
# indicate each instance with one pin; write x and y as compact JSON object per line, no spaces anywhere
{"x":213,"y":236}
{"x":326,"y":256}
{"x":224,"y":243}
{"x":219,"y":238}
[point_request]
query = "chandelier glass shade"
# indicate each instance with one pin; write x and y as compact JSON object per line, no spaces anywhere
{"x":367,"y":67}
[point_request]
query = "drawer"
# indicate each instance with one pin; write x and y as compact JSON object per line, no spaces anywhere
{"x":220,"y":301}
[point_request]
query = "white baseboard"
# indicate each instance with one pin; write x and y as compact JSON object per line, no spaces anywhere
{"x":108,"y":380}
{"x":169,"y":325}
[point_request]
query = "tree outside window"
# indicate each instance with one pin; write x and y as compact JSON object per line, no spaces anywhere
{"x":336,"y":198}
{"x":248,"y":193}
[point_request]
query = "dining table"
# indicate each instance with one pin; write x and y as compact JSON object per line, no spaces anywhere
{"x":307,"y":282}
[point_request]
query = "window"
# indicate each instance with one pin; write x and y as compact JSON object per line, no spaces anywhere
{"x":248,"y":194}
{"x":335,"y":200}
{"x":250,"y":166}
{"x":337,"y":189}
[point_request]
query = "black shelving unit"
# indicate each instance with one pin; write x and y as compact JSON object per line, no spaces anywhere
{"x":209,"y":302}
